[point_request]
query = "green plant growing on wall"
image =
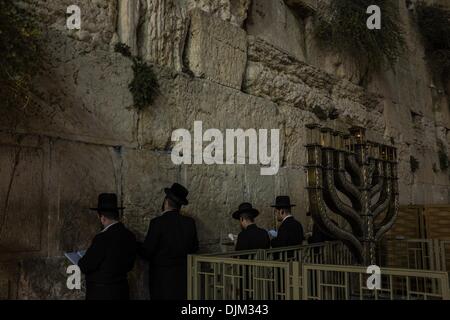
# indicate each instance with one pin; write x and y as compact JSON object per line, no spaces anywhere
{"x":20,"y":53}
{"x":443,"y":156}
{"x":144,"y":85}
{"x":341,"y":26}
{"x":434,"y":25}
{"x":414,"y":163}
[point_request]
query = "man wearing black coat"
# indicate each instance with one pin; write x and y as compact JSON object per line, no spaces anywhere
{"x":290,"y":232}
{"x":251,"y":237}
{"x":111,"y":255}
{"x":170,"y":238}
{"x":319,"y":236}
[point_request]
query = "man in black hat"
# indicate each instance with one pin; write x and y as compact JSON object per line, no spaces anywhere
{"x":251,"y":237}
{"x":290,"y":232}
{"x":170,"y":238}
{"x":111,"y":255}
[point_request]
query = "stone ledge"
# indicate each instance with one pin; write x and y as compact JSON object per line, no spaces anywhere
{"x":215,"y":49}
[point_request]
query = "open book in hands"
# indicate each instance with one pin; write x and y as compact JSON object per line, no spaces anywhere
{"x":75,"y":256}
{"x":272,"y":233}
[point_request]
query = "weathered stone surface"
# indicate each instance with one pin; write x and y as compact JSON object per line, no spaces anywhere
{"x":283,"y":79}
{"x":274,"y":22}
{"x":216,"y":50}
{"x":233,"y":11}
{"x":46,"y":279}
{"x":98,"y":20}
{"x":81,"y":172}
{"x":188,"y":99}
{"x":79,"y":97}
{"x":128,"y":23}
{"x":9,"y":276}
{"x":21,"y":174}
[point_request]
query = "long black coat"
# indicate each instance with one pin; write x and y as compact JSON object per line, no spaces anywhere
{"x":253,"y":238}
{"x":318,"y":236}
{"x":290,"y":233}
{"x":106,"y":263}
{"x":170,"y":238}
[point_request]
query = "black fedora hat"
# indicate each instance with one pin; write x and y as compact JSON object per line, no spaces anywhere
{"x":245,"y":207}
{"x":282,"y":202}
{"x":107,"y":202}
{"x":177,"y":193}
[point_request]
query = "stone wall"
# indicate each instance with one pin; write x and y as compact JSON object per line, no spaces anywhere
{"x":230,"y":63}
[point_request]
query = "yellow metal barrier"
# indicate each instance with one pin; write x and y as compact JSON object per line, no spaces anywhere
{"x":410,"y":254}
{"x":444,"y":254}
{"x":330,"y":282}
{"x":216,"y":278}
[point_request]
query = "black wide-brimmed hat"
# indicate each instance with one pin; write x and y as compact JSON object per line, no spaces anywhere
{"x":282,"y":202}
{"x":177,"y":193}
{"x":107,"y":202}
{"x":245,"y":208}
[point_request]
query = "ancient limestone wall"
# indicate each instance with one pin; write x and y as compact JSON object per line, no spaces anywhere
{"x":229,"y":63}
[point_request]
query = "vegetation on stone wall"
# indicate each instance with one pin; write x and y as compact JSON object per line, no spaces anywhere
{"x":20,"y":53}
{"x":144,"y":85}
{"x":434,"y":25}
{"x":414,"y":163}
{"x":341,"y":26}
{"x":443,"y":156}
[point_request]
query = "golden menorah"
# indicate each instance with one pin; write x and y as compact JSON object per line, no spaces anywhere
{"x":355,"y":179}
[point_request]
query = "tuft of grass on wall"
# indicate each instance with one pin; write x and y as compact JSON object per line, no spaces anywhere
{"x":144,"y":85}
{"x":444,"y":162}
{"x":20,"y":53}
{"x":341,"y":26}
{"x":434,"y":24}
{"x":414,"y":163}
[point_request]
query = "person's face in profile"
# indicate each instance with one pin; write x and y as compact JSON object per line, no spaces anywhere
{"x":163,"y":206}
{"x":241,"y":222}
{"x":279,"y":214}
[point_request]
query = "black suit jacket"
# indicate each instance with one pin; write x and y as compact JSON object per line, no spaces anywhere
{"x":318,"y":236}
{"x":110,"y":257}
{"x":290,"y":233}
{"x":253,"y":238}
{"x":170,"y":238}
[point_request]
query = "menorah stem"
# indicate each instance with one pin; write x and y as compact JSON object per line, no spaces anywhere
{"x":366,"y":184}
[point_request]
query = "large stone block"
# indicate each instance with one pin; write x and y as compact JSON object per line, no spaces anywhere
{"x":216,"y":50}
{"x":184,"y":100}
{"x":80,"y":172}
{"x":24,"y":174}
{"x":82,"y":97}
{"x":276,"y":23}
{"x":233,"y":11}
{"x":21,"y":169}
{"x":145,"y":175}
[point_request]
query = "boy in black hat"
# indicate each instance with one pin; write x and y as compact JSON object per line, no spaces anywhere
{"x":251,"y":237}
{"x":111,"y":255}
{"x":290,"y":232}
{"x":170,"y":238}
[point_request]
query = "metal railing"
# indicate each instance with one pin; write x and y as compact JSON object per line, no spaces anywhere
{"x":411,"y":254}
{"x":330,"y":282}
{"x":444,"y":256}
{"x":217,"y":278}
{"x":411,"y":269}
{"x":326,"y":252}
